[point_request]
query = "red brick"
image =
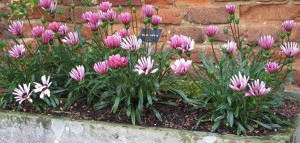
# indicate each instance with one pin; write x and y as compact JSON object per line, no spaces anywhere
{"x":192,"y":2}
{"x":295,"y":34}
{"x":190,"y":31}
{"x":80,"y":10}
{"x":159,"y":2}
{"x":65,"y":17}
{"x":296,"y":67}
{"x":124,"y":2}
{"x":170,"y":15}
{"x":252,"y":32}
{"x":27,"y":29}
{"x":264,"y":12}
{"x":207,"y":15}
{"x":36,"y":12}
{"x":229,"y":0}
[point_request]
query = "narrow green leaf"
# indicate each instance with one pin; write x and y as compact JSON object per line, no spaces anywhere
{"x":157,"y":114}
{"x":116,"y":104}
{"x":216,"y":125}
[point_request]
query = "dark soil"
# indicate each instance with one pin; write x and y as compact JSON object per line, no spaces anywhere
{"x":180,"y":117}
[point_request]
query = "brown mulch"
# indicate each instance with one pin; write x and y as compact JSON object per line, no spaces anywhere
{"x":180,"y":117}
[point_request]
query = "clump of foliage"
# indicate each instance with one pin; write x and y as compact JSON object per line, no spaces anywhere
{"x":124,"y":71}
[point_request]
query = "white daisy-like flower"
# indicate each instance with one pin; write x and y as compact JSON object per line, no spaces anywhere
{"x":44,"y":87}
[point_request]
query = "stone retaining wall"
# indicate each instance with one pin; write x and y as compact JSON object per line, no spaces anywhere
{"x":16,"y":127}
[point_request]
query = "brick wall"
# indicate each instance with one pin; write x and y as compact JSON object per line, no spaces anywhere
{"x":190,"y":17}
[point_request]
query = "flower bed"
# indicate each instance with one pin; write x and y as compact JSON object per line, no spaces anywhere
{"x":129,"y":74}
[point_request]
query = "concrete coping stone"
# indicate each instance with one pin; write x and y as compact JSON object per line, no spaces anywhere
{"x":16,"y":127}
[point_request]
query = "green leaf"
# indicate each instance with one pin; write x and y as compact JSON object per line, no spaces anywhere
{"x":219,"y":118}
{"x":138,"y":116}
{"x":116,"y":104}
{"x":149,"y":98}
{"x":240,"y":128}
{"x":132,"y":116}
{"x":141,"y":100}
{"x":157,"y":114}
{"x":128,"y":111}
{"x":229,"y":100}
{"x":230,"y":118}
{"x":216,"y":125}
{"x":263,"y":124}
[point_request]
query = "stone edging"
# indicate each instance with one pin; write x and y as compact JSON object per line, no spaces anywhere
{"x":18,"y":127}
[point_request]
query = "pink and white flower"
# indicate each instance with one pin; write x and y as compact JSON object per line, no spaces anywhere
{"x":23,"y":93}
{"x":290,"y":49}
{"x":211,"y":30}
{"x":230,"y":9}
{"x":131,"y":43}
{"x":288,"y":25}
{"x":17,"y":51}
{"x":71,"y":39}
{"x":54,"y":26}
{"x":271,"y":67}
{"x":113,"y":41}
{"x":101,"y":67}
{"x":145,"y":66}
{"x":37,"y":31}
{"x":238,"y":82}
{"x":78,"y":73}
{"x":266,"y":42}
{"x":16,"y":28}
{"x":45,"y":3}
{"x":229,"y":47}
{"x":124,"y":33}
{"x":63,"y":30}
{"x":104,"y":6}
{"x":116,"y":61}
{"x":47,"y":36}
{"x":44,"y":87}
{"x":125,"y":18}
{"x":155,"y":20}
{"x":148,"y":10}
{"x":182,"y":43}
{"x":86,"y":16}
{"x":110,"y":15}
{"x":52,"y":7}
{"x":181,"y":66}
{"x":257,"y":89}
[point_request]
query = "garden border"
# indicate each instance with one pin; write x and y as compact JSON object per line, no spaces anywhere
{"x":27,"y":127}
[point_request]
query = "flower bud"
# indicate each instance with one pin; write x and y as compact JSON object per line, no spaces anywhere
{"x":232,"y":17}
{"x":156,"y":8}
{"x":56,"y":35}
{"x":127,"y":26}
{"x":229,"y":20}
{"x":120,"y":8}
{"x":72,"y":6}
{"x":134,"y":10}
{"x":211,"y":39}
{"x":281,"y":36}
{"x":159,"y":57}
{"x":129,"y":2}
{"x":266,"y":53}
{"x":91,"y":50}
{"x":288,"y":33}
{"x":225,"y":30}
{"x":224,"y":50}
{"x":179,"y":52}
{"x":167,"y":63}
{"x":248,"y":49}
{"x":237,"y":21}
{"x":145,"y":21}
{"x":155,"y":27}
{"x":102,"y":25}
{"x":188,"y":54}
{"x":289,"y":69}
{"x":43,"y":20}
{"x":211,"y":73}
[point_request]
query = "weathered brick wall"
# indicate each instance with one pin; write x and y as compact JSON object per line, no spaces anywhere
{"x":190,"y":17}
